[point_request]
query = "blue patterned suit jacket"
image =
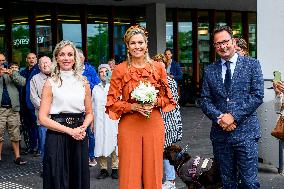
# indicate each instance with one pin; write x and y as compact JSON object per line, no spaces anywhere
{"x":245,"y":96}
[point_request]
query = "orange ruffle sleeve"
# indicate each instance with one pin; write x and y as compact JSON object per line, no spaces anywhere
{"x":123,"y":82}
{"x":115,"y":106}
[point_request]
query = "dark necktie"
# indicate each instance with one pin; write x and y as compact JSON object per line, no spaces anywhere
{"x":228,"y":75}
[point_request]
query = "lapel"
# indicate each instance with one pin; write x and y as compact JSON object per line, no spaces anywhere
{"x":219,"y":79}
{"x":237,"y":71}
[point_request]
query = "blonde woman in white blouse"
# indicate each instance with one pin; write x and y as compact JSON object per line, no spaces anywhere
{"x":66,"y":110}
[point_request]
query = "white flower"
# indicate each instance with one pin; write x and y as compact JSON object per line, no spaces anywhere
{"x":144,"y":93}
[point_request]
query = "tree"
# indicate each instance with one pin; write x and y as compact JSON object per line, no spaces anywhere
{"x":98,"y":46}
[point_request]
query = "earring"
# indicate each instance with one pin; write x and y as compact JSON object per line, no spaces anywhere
{"x":146,"y":51}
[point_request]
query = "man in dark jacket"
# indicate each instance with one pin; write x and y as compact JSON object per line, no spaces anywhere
{"x":27,"y":114}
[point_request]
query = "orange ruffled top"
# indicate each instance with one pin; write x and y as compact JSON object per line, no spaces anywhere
{"x":125,"y":79}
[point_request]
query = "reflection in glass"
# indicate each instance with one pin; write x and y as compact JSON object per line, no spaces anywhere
{"x":203,"y":40}
{"x":120,"y":51}
{"x":252,"y":34}
{"x":97,"y":43}
{"x":20,"y":35}
{"x":72,"y":32}
{"x":185,"y":42}
{"x":43,"y":35}
{"x":143,"y":24}
{"x":2,"y":34}
{"x":70,"y":25}
{"x":237,"y":24}
{"x":220,"y":19}
{"x":169,"y":35}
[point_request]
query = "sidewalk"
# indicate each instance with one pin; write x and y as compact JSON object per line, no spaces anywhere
{"x":196,"y":128}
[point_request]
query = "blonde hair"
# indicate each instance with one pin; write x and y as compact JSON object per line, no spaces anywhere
{"x":134,"y":30}
{"x":55,"y":69}
{"x":159,"y":57}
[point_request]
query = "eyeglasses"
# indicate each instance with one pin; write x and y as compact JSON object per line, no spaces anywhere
{"x":224,"y":42}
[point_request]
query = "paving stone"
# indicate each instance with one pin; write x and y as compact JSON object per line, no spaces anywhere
{"x":196,"y":128}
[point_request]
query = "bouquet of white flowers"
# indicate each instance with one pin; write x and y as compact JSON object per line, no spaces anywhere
{"x":145,"y":93}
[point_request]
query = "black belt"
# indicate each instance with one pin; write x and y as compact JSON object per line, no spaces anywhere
{"x":6,"y":106}
{"x":68,"y":118}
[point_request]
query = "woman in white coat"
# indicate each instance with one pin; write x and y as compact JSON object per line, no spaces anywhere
{"x":105,"y":128}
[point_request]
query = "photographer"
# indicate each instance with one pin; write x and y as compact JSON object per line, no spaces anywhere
{"x":10,"y":106}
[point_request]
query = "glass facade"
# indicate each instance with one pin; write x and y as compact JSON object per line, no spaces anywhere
{"x":169,"y":35}
{"x":185,"y":42}
{"x":203,"y":39}
{"x":252,"y":34}
{"x":120,"y":51}
{"x":20,"y":34}
{"x":70,"y":25}
{"x":99,"y":31}
{"x":237,"y":24}
{"x":97,"y":34}
{"x":169,"y":29}
{"x":43,"y":31}
{"x":2,"y":32}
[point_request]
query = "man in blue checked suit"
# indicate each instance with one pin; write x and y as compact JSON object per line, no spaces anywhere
{"x":232,"y":91}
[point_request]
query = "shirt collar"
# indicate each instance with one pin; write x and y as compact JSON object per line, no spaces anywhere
{"x":232,"y":60}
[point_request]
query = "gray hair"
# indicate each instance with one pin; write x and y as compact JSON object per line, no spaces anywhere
{"x":104,"y":66}
{"x":77,"y":67}
{"x":40,"y":60}
{"x":80,"y":52}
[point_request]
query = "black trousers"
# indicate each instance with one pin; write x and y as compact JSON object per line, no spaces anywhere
{"x":66,"y":163}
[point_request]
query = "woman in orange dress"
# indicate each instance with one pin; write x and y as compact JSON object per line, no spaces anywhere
{"x":140,"y":139}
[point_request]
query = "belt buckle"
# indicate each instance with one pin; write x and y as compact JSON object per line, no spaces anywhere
{"x":70,"y":120}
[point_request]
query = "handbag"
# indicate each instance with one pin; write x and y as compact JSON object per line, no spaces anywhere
{"x":278,"y":131}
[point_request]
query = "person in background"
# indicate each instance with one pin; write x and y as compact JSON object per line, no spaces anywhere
{"x":10,"y":107}
{"x":279,"y":97}
{"x":173,"y":128}
{"x":28,"y":115}
{"x":241,"y":47}
{"x":14,"y":66}
{"x":105,"y":128}
{"x":230,"y":99}
{"x":111,"y":64}
{"x":36,"y":85}
{"x":140,"y":139}
{"x":66,"y":111}
{"x":90,"y":73}
{"x":172,"y":67}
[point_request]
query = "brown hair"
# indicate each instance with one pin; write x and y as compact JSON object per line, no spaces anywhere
{"x":240,"y":42}
{"x":223,"y":28}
